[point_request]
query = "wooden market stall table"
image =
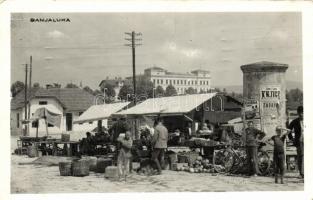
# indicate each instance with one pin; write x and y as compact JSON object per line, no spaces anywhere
{"x":69,"y":147}
{"x":206,"y":147}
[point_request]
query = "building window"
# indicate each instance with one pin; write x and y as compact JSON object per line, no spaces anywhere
{"x":166,"y":81}
{"x":170,"y":82}
{"x":196,"y":82}
{"x":17,"y":120}
{"x":174,"y":82}
{"x":90,"y":122}
{"x":185,"y":82}
{"x":181,"y":82}
{"x":43,"y":102}
{"x":207,"y":82}
{"x":50,"y":125}
{"x":157,"y":81}
{"x":154,"y":81}
{"x":35,"y":124}
{"x":161,"y":81}
{"x":200,"y":82}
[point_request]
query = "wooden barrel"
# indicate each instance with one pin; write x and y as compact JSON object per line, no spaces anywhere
{"x":32,"y":151}
{"x":92,"y":162}
{"x":80,"y":167}
{"x":65,"y":168}
{"x":103,"y":163}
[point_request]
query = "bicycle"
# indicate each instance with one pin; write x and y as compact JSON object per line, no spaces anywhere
{"x":233,"y":160}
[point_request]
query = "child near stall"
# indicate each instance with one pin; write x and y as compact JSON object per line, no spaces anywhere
{"x":123,"y":160}
{"x":279,"y":153}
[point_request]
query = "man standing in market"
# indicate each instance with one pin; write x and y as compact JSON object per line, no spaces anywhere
{"x":124,"y":156}
{"x":252,"y":137}
{"x":297,"y":127}
{"x":159,"y":143}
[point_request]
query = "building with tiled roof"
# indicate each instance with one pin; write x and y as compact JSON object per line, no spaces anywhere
{"x":67,"y":102}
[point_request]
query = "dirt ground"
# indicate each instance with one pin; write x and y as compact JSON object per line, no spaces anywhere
{"x":46,"y":179}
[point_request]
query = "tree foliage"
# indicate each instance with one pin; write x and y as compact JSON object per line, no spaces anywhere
{"x":159,"y":91}
{"x":71,"y":85}
{"x":16,"y":87}
{"x":126,"y":93}
{"x":144,"y":88}
{"x":36,"y":85}
{"x":88,"y":89}
{"x":191,"y":90}
{"x":202,"y":91}
{"x":294,"y":95}
{"x":170,"y":91}
{"x":109,"y":90}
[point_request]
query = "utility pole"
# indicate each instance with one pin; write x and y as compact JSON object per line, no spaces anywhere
{"x":30,"y":83}
{"x":25,"y":98}
{"x":133,"y":45}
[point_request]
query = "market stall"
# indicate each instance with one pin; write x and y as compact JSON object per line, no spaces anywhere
{"x":27,"y":144}
{"x":99,"y":142}
{"x":184,"y":117}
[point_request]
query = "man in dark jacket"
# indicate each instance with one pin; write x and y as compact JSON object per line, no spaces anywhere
{"x":297,"y":127}
{"x":159,"y":141}
{"x":252,"y":136}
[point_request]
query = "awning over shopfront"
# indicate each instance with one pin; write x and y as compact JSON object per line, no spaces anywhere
{"x":175,"y":105}
{"x":50,"y":117}
{"x":100,"y":112}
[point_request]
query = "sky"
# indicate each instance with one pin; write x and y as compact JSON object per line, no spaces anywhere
{"x":90,"y":47}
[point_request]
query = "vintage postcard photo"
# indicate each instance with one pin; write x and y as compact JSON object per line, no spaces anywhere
{"x":110,"y":102}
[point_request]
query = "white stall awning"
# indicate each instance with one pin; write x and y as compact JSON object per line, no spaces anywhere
{"x":168,"y":105}
{"x":100,"y":112}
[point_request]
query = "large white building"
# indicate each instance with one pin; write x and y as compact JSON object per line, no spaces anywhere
{"x":200,"y":80}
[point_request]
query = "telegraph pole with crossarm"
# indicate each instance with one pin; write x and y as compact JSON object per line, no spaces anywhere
{"x":133,"y":45}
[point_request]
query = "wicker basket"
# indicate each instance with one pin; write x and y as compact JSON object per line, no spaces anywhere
{"x":192,"y":157}
{"x":102,"y":164}
{"x":32,"y":151}
{"x":93,"y":163}
{"x":80,"y":168}
{"x":65,"y":168}
{"x":172,"y":158}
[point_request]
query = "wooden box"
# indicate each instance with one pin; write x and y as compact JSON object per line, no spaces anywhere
{"x":111,"y":172}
